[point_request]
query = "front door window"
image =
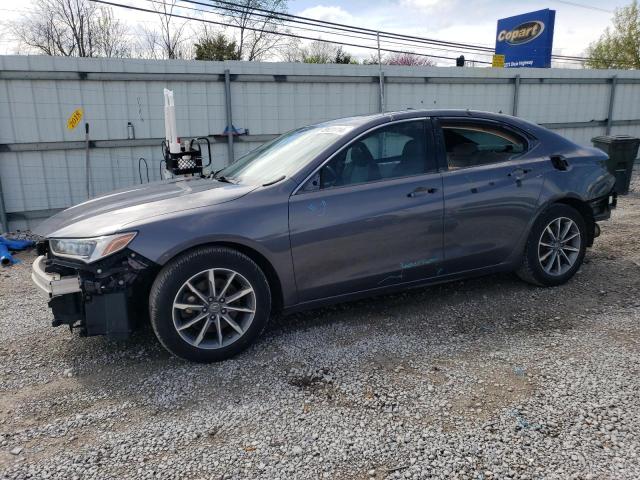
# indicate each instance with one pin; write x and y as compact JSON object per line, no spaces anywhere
{"x":394,"y":151}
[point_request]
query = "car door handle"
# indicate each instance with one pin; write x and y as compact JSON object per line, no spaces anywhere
{"x":519,"y":172}
{"x":420,"y":191}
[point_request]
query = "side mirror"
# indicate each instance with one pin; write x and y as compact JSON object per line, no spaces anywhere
{"x":313,"y":184}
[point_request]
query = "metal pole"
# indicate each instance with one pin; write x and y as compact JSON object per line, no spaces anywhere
{"x":612,"y":99}
{"x":86,"y":159}
{"x":4,"y":223}
{"x":227,"y":101}
{"x":516,"y":94}
{"x":380,"y":74}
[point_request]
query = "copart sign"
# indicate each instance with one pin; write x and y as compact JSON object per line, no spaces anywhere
{"x":526,"y":40}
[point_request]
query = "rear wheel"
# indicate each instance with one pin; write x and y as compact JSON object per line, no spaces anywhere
{"x":555,"y":248}
{"x":209,"y":304}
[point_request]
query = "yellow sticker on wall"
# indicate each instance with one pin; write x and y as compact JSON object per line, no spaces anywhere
{"x":74,"y":119}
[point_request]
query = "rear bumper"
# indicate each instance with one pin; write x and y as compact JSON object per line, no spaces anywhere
{"x":601,"y":207}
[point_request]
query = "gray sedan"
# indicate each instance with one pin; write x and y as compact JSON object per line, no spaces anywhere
{"x":325,"y":213}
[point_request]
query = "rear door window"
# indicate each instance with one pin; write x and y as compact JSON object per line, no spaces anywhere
{"x":475,"y":145}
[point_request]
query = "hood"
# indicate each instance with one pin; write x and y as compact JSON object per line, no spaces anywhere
{"x":123,"y":208}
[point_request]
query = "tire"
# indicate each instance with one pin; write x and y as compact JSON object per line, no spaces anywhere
{"x":195,"y":323}
{"x":535,"y":267}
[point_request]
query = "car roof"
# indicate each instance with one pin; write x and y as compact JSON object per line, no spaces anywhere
{"x":370,"y":120}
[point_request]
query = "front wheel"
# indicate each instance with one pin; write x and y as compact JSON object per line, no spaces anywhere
{"x":209,"y":304}
{"x":555,"y":248}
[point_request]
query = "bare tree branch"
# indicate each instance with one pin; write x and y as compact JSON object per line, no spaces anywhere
{"x":171,"y":39}
{"x":257,"y":35}
{"x":72,"y":28}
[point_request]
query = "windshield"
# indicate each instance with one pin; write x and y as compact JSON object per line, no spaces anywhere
{"x":283,"y":155}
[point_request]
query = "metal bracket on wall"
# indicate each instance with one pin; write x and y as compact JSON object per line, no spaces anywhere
{"x":612,"y":99}
{"x":227,"y":102}
{"x":516,"y":95}
{"x":4,"y":223}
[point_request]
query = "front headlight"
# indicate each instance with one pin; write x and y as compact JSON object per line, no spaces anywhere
{"x":90,"y":249}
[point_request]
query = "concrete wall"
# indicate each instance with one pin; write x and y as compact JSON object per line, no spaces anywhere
{"x":42,"y":162}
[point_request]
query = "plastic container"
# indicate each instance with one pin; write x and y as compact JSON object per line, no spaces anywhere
{"x":622,"y":151}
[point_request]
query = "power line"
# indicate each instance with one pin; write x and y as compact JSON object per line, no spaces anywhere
{"x":341,"y":26}
{"x":272,"y":14}
{"x":326,"y":31}
{"x":582,"y":5}
{"x":368,"y":31}
{"x":353,"y":29}
{"x":286,"y":34}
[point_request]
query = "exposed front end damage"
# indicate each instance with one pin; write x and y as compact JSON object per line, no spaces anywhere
{"x":107,"y":297}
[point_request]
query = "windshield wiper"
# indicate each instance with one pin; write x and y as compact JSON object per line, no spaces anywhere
{"x":215,"y":174}
{"x":220,"y":178}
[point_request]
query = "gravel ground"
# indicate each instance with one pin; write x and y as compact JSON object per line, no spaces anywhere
{"x":486,"y":378}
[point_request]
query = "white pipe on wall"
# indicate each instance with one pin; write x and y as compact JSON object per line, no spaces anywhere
{"x":171,"y":132}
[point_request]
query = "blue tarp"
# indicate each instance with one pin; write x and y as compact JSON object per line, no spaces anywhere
{"x":8,"y":245}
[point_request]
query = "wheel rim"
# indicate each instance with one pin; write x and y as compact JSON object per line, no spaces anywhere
{"x":214,"y":308}
{"x":559,"y":246}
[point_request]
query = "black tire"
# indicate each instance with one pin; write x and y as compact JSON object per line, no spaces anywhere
{"x":531,"y":270}
{"x":173,"y":277}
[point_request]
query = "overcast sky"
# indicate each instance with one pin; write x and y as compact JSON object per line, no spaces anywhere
{"x":470,"y":21}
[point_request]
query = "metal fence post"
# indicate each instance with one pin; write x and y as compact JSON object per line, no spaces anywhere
{"x":380,"y":74}
{"x":4,"y":223}
{"x":227,"y":101}
{"x":382,"y":105}
{"x":516,"y":95}
{"x":612,"y":99}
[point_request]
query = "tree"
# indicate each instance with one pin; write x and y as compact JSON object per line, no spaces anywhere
{"x":210,"y":46}
{"x":409,"y":59}
{"x":318,"y":52}
{"x":291,"y":51}
{"x":344,"y":57}
{"x":321,"y":52}
{"x":72,"y":28}
{"x":619,"y":46}
{"x":111,"y":35}
{"x":257,"y":30}
{"x":171,"y":39}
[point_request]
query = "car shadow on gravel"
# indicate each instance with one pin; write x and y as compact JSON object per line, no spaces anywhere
{"x":477,"y":307}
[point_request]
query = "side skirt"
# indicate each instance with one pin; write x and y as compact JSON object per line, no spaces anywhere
{"x":504,"y":267}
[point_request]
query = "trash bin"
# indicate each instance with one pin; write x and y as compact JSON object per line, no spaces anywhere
{"x":622,"y":151}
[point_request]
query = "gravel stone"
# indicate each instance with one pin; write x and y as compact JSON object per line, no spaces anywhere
{"x":477,"y":379}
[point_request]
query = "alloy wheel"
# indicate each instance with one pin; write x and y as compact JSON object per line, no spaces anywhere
{"x":559,"y":246}
{"x":214,"y":308}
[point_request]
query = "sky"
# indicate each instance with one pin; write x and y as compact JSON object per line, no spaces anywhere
{"x":578,"y":22}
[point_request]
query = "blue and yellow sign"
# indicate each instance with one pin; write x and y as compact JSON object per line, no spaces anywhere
{"x":526,"y":40}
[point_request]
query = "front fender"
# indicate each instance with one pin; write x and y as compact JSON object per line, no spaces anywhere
{"x":262,"y":228}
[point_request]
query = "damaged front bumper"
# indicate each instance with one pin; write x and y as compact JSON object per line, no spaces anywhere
{"x":50,"y":283}
{"x":105,"y":298}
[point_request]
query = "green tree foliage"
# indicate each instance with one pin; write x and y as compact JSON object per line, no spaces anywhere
{"x":216,"y":47}
{"x":344,"y":57}
{"x":323,"y":52}
{"x":619,"y":45}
